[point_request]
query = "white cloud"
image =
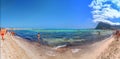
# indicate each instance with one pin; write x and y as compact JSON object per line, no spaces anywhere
{"x":117,"y":2}
{"x":103,"y":11}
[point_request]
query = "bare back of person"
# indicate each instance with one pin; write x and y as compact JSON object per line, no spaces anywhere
{"x":2,"y":33}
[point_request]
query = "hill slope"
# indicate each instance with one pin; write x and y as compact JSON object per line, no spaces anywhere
{"x":102,"y":25}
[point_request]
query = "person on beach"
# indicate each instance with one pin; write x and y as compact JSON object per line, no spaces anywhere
{"x":2,"y":33}
{"x":38,"y":37}
{"x":12,"y":33}
{"x":117,"y":34}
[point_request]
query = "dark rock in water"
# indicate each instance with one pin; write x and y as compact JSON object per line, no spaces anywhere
{"x":28,"y":38}
{"x":102,"y":25}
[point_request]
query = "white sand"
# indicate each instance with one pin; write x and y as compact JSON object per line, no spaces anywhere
{"x":18,"y":48}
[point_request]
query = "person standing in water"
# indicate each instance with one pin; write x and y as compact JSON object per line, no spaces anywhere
{"x":2,"y":33}
{"x":98,"y":32}
{"x":38,"y":37}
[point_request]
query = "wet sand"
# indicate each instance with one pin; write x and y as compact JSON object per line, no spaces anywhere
{"x":19,"y":48}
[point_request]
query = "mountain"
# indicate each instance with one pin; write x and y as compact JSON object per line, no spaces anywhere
{"x":102,"y":25}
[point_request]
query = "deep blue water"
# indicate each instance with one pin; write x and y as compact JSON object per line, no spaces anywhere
{"x":60,"y":37}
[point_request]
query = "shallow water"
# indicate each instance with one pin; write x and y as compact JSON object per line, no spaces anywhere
{"x":62,"y":37}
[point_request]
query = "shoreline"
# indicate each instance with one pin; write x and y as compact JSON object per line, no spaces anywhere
{"x":34,"y":50}
{"x":81,"y":42}
{"x":56,"y":38}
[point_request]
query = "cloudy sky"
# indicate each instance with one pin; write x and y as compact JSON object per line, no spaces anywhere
{"x":65,"y":14}
{"x":106,"y":11}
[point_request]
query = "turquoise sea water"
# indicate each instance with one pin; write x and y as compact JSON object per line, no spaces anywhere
{"x":60,"y":37}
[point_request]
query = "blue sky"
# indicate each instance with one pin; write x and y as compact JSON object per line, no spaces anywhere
{"x":67,"y":14}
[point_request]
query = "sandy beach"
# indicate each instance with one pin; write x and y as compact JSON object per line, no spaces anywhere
{"x":15,"y":47}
